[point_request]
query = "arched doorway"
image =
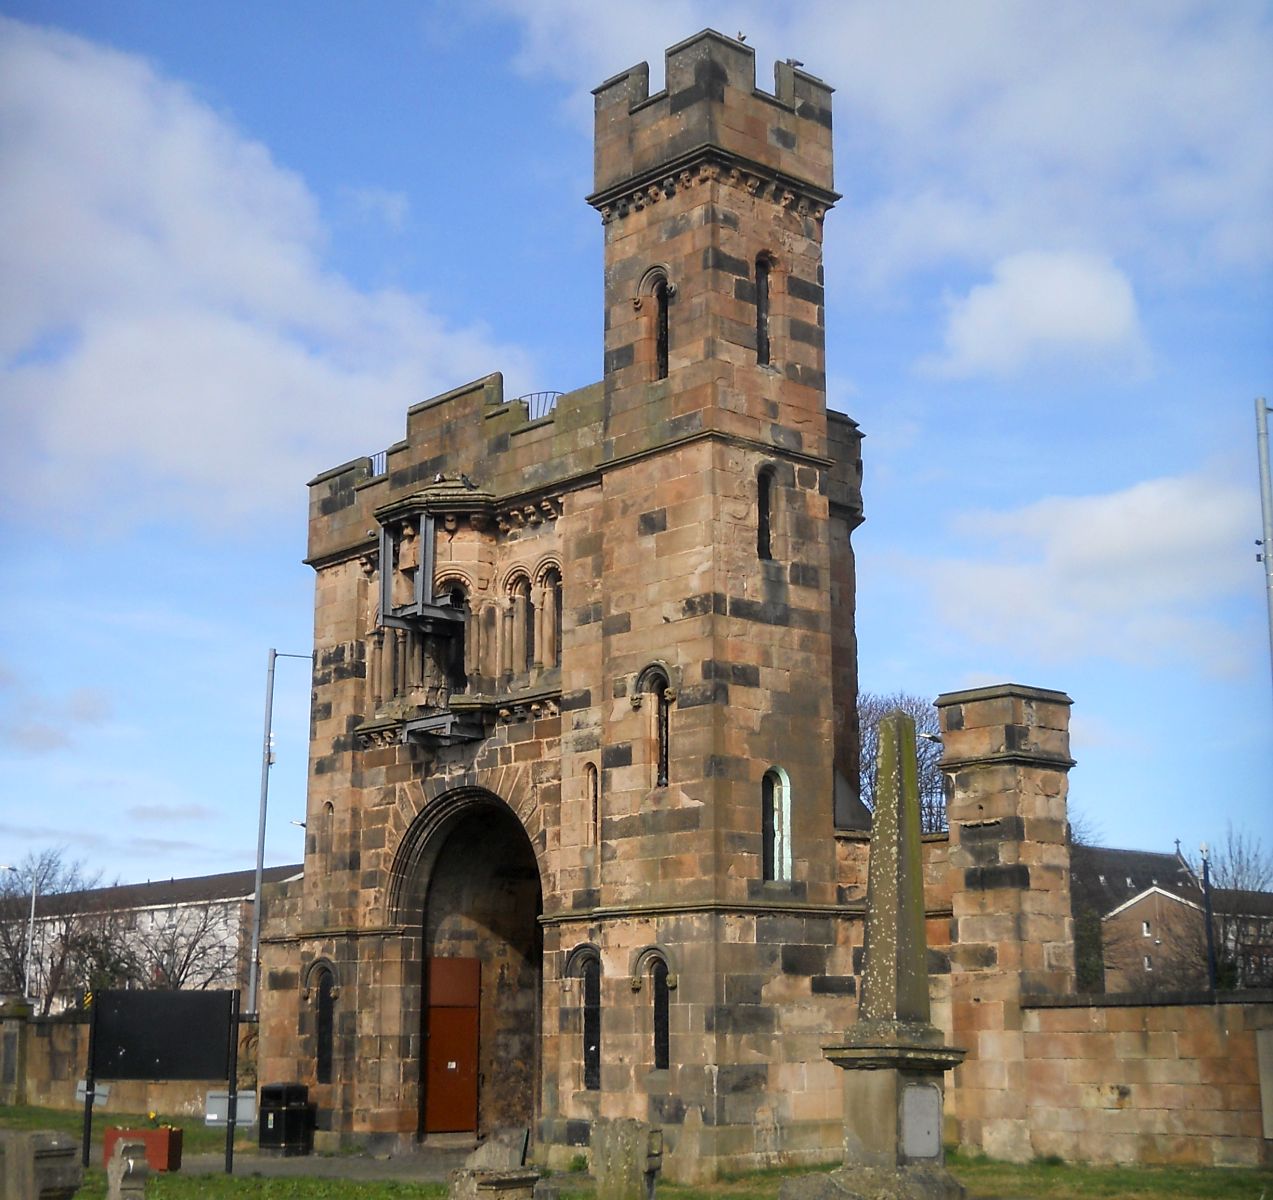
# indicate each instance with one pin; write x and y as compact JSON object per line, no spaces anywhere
{"x":482,"y":949}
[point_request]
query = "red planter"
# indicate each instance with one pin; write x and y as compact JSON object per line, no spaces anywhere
{"x":163,"y":1146}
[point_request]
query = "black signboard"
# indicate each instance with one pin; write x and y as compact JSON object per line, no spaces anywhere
{"x":161,"y":1035}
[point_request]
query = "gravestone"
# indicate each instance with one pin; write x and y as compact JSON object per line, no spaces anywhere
{"x":127,"y":1171}
{"x":39,"y":1166}
{"x":496,"y":1170}
{"x":627,"y":1157}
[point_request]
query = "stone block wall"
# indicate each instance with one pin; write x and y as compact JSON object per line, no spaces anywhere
{"x":1147,"y":1082}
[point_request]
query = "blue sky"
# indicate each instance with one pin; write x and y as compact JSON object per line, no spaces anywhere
{"x":238,"y":240}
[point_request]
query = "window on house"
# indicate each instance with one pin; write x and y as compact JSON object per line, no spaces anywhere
{"x":324,"y":1026}
{"x":775,"y":820}
{"x":762,"y":310}
{"x":1149,"y":962}
{"x":764,"y":514}
{"x":660,"y":328}
{"x":590,"y":973}
{"x":1144,"y":929}
{"x":660,"y":998}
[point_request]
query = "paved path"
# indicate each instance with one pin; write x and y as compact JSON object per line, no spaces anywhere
{"x":425,"y":1165}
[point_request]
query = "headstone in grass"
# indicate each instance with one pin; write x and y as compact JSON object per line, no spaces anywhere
{"x":627,"y":1156}
{"x":127,"y":1171}
{"x":496,"y":1170}
{"x":39,"y":1166}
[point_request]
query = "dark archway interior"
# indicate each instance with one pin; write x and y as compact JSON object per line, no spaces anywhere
{"x":483,"y":902}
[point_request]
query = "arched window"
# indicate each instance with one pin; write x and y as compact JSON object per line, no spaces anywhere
{"x":762,"y":310}
{"x":775,"y":826}
{"x":662,"y":709}
{"x":661,"y":296}
{"x":590,"y":974}
{"x":764,"y":514}
{"x":461,"y":648}
{"x":659,"y":998}
{"x":584,"y":963}
{"x":523,"y":626}
{"x":552,"y":617}
{"x":654,"y":684}
{"x":324,"y":1024}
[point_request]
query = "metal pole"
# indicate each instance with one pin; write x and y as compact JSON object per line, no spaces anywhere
{"x":1206,"y":900}
{"x":253,"y":965}
{"x":1266,"y":505}
{"x":26,"y":975}
{"x":232,"y":1100}
{"x":267,"y":757}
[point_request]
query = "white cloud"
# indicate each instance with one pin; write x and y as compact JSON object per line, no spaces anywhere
{"x":167,"y":813}
{"x":32,"y":722}
{"x":1041,"y":307}
{"x":381,"y":206}
{"x":967,"y":131}
{"x":170,"y":337}
{"x":1137,"y":576}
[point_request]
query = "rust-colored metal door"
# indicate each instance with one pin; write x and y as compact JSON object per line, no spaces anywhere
{"x":450,"y":1045}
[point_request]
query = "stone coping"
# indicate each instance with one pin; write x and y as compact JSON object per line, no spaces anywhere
{"x":1148,"y":999}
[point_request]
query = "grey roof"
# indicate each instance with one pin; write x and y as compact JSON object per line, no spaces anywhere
{"x":199,"y":889}
{"x":1099,"y":877}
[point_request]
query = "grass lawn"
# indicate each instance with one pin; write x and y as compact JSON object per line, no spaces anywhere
{"x":984,"y":1178}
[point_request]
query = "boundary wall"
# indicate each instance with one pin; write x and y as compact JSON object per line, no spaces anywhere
{"x":1135,"y":1079}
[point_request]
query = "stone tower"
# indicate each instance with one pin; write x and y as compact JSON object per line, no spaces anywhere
{"x":583,"y":715}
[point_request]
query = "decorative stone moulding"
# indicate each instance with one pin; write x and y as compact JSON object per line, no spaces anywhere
{"x":518,"y":516}
{"x":753,"y":178}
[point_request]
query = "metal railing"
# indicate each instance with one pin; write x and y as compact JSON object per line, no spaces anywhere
{"x":379,"y":462}
{"x":539,"y":404}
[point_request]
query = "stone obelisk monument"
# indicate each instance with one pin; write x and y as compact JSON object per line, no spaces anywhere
{"x":894,"y":1058}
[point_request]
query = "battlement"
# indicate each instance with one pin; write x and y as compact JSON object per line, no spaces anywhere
{"x":711,"y":110}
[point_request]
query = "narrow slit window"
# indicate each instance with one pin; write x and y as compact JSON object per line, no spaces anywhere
{"x":591,"y":972}
{"x":660,"y":998}
{"x":764,"y":515}
{"x":593,"y":783}
{"x":762,"y":311}
{"x":662,"y":723}
{"x":767,"y":828}
{"x":660,"y":328}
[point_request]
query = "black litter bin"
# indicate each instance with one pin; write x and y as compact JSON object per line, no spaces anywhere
{"x":285,"y":1119}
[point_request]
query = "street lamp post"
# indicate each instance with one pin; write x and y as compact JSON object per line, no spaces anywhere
{"x":267,"y":759}
{"x":26,"y":966}
{"x":1204,"y":852}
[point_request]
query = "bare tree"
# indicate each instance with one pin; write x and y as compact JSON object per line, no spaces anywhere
{"x":70,"y":932}
{"x":194,"y":946}
{"x":872,"y":707}
{"x":1241,"y":873}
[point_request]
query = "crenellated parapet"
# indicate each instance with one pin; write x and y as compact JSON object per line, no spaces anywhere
{"x":711,"y":122}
